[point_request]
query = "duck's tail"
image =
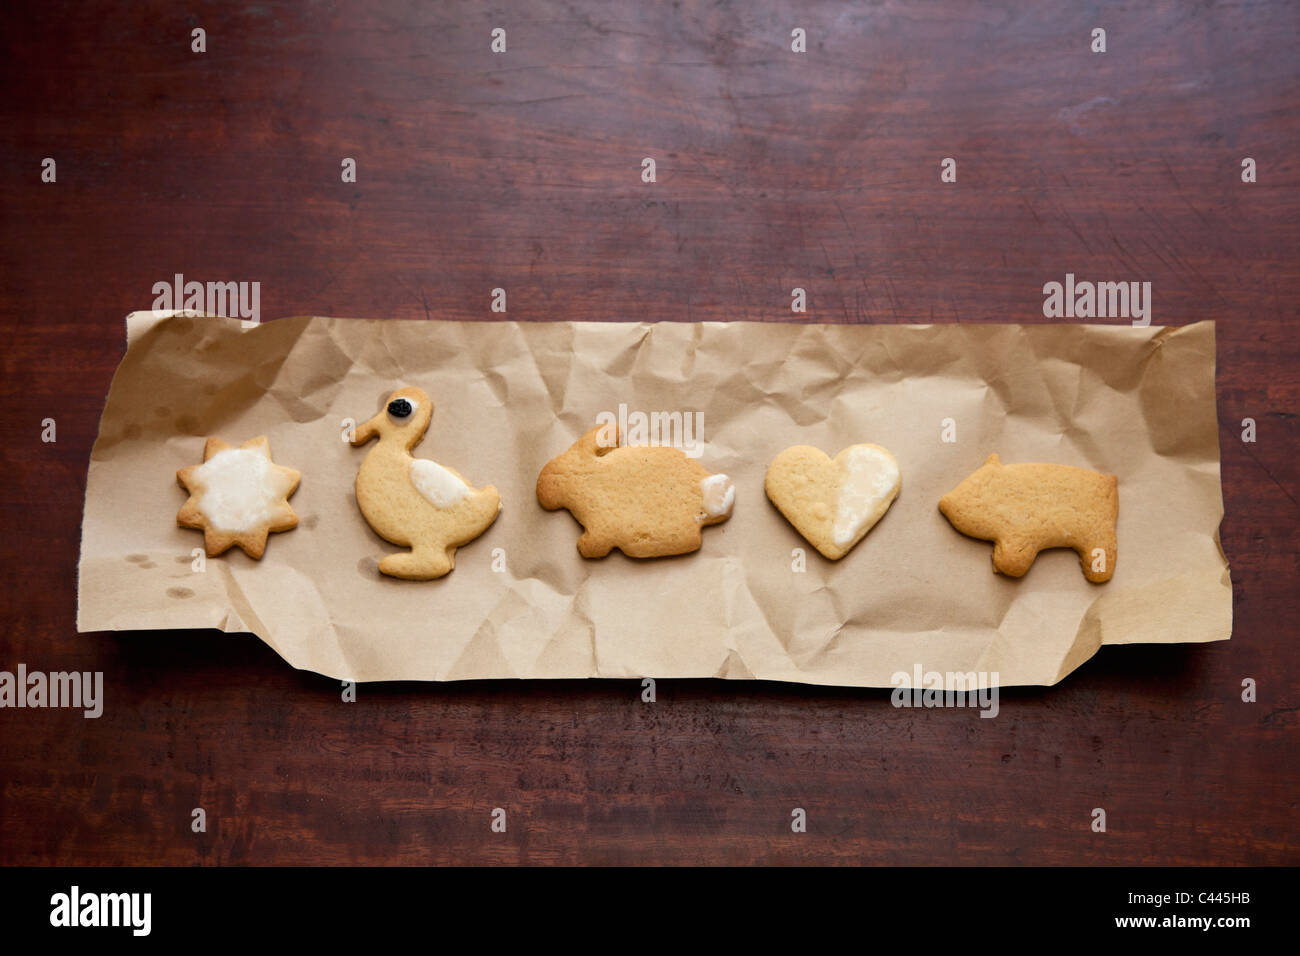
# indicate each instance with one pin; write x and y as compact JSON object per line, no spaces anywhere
{"x":485,"y":505}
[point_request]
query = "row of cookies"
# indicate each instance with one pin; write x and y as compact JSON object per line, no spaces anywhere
{"x":647,"y":501}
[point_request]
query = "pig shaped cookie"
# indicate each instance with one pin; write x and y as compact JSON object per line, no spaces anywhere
{"x":1024,"y":509}
{"x":647,"y":501}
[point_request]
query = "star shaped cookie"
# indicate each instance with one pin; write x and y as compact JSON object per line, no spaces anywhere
{"x":237,"y":496}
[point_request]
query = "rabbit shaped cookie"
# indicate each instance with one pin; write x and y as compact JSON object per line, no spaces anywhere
{"x":647,"y":501}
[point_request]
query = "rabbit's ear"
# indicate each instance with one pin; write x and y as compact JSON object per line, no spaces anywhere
{"x":599,"y":440}
{"x":993,"y":460}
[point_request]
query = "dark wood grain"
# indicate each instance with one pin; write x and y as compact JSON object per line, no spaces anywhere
{"x":523,"y":171}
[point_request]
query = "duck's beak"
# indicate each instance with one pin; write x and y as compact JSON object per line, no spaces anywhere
{"x":365,"y":431}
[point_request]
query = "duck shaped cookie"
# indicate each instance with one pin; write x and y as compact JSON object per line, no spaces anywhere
{"x":415,"y":502}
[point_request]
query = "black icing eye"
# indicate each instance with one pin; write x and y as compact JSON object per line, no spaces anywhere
{"x":399,"y":408}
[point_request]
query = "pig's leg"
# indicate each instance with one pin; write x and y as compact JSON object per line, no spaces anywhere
{"x":1013,"y":556}
{"x":1097,"y":555}
{"x":592,"y":545}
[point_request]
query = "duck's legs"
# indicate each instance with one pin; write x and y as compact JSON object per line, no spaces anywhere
{"x":422,"y":563}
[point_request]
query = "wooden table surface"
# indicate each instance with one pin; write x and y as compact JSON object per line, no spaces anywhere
{"x":522,"y":170}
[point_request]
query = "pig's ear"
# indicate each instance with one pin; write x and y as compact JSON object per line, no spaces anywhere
{"x":992,"y":460}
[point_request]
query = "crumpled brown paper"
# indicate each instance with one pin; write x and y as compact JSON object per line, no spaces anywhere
{"x":521,"y":602}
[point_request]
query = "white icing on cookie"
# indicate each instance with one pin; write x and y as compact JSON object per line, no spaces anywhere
{"x":719,"y":495}
{"x":870,"y":477}
{"x":442,"y":488}
{"x":240,"y":492}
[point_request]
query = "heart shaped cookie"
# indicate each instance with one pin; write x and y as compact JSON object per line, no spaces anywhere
{"x":833,"y":502}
